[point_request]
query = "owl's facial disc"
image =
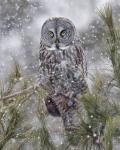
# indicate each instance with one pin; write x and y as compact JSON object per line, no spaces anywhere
{"x":57,"y":34}
{"x":57,"y":45}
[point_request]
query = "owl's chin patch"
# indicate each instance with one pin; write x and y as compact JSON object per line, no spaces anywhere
{"x":60,"y":48}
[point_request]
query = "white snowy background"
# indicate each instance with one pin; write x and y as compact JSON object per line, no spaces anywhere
{"x":20,"y":25}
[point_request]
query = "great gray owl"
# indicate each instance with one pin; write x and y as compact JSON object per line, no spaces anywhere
{"x":62,"y":67}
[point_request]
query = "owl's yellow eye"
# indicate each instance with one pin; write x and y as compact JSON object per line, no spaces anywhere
{"x":62,"y":33}
{"x":51,"y":34}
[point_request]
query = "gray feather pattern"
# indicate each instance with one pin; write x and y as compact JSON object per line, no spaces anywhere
{"x":64,"y":72}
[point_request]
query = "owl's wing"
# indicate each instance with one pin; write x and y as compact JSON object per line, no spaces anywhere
{"x":80,"y":58}
{"x":44,"y":76}
{"x":78,"y":86}
{"x":42,"y":57}
{"x":41,"y":53}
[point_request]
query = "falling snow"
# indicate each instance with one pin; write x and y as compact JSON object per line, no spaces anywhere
{"x":20,"y":24}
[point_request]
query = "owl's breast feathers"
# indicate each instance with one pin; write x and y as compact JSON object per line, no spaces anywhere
{"x":72,"y":57}
{"x":64,"y":69}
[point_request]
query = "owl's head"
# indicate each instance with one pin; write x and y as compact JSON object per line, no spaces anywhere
{"x":57,"y":33}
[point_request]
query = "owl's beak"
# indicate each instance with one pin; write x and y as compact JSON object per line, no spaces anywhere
{"x":57,"y":43}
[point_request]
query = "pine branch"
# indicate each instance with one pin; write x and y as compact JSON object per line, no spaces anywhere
{"x":19,"y":93}
{"x":112,"y":40}
{"x":34,"y":88}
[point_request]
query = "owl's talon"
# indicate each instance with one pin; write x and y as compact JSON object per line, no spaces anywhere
{"x":72,"y":103}
{"x":35,"y":86}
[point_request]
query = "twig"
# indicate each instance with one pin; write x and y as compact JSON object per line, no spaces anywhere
{"x":34,"y":87}
{"x":18,"y":93}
